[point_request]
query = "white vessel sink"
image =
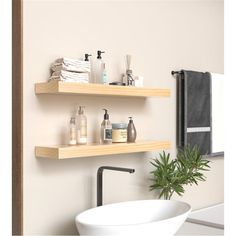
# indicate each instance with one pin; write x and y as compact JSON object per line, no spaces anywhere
{"x":145,"y":217}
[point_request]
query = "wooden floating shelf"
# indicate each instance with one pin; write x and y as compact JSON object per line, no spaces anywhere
{"x":64,"y":152}
{"x":59,"y":87}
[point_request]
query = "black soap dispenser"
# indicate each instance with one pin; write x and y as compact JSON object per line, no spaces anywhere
{"x":131,"y":131}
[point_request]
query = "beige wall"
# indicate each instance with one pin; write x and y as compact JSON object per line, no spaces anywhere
{"x":161,"y":36}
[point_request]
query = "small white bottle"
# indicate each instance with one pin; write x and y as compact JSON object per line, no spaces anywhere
{"x":72,"y":134}
{"x":81,"y":123}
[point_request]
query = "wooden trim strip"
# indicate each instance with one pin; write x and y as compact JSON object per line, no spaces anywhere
{"x":17,"y":117}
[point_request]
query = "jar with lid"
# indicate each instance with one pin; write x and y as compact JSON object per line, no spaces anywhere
{"x":119,"y":133}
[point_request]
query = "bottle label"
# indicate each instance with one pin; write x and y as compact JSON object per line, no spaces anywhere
{"x":104,"y":78}
{"x":81,"y":136}
{"x":119,"y":135}
{"x":72,"y":134}
{"x":72,"y":140}
{"x":107,"y":134}
{"x":83,"y":131}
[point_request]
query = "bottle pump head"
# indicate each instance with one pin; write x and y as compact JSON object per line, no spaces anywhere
{"x":87,"y":56}
{"x":106,"y":115}
{"x":72,"y":120}
{"x":130,"y":119}
{"x":99,"y":54}
{"x":81,"y":110}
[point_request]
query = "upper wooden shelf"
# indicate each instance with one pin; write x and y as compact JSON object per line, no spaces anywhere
{"x":64,"y":152}
{"x":59,"y":87}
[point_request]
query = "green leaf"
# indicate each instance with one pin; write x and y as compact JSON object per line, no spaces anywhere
{"x":171,"y":175}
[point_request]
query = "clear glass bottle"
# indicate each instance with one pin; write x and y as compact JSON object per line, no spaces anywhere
{"x":97,"y":68}
{"x":72,"y":134}
{"x":81,"y":123}
{"x":86,"y":55}
{"x":106,"y":129}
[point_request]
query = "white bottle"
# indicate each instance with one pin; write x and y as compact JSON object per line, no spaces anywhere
{"x":72,"y":137}
{"x":81,"y":123}
{"x":97,"y":68}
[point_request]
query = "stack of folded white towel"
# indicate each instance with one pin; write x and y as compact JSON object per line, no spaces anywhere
{"x":70,"y":70}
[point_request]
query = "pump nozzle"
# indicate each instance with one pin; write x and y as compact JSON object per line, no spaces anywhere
{"x":106,"y":115}
{"x":99,"y":54}
{"x":81,"y":110}
{"x":87,"y":56}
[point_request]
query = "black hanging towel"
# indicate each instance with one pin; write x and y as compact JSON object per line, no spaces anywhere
{"x":194,"y":124}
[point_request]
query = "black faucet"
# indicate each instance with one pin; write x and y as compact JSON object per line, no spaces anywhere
{"x":99,"y":179}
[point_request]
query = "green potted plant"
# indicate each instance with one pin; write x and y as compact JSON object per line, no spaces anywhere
{"x":171,"y":175}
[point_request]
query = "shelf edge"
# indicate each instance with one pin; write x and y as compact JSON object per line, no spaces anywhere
{"x":58,"y":87}
{"x":99,"y":150}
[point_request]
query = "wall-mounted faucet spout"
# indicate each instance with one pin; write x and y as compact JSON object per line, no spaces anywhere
{"x":99,"y":179}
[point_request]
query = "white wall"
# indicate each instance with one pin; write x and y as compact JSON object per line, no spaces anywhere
{"x":161,"y":36}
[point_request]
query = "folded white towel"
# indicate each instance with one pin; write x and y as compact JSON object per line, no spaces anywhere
{"x":74,"y":62}
{"x":68,"y":64}
{"x":68,"y":80}
{"x":71,"y":75}
{"x":68,"y":76}
{"x":58,"y":67}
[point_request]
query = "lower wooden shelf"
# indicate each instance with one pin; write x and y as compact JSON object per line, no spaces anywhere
{"x":64,"y":152}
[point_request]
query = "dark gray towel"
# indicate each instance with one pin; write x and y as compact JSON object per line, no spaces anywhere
{"x":194,"y":110}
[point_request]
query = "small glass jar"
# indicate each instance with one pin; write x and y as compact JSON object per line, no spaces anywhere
{"x":119,"y":133}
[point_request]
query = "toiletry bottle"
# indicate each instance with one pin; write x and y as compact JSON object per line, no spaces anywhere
{"x":138,"y":81}
{"x":72,"y":134}
{"x":104,"y":75}
{"x":81,"y":122}
{"x":86,"y":58}
{"x":131,"y":131}
{"x":97,"y":67}
{"x":106,"y":129}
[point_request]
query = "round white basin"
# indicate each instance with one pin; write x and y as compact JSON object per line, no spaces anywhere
{"x":145,"y":217}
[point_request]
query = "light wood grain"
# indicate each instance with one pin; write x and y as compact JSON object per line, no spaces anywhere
{"x":59,"y":87}
{"x":64,"y":152}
